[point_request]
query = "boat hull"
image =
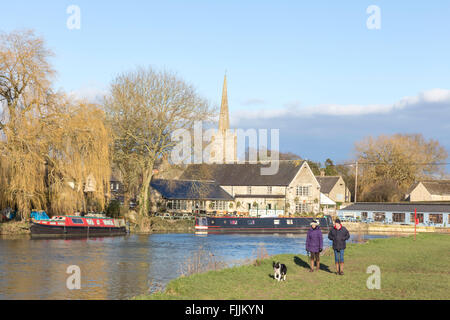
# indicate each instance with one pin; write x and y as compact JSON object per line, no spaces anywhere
{"x":259,"y":225}
{"x":51,"y":230}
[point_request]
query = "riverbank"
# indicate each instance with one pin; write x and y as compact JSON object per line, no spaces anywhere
{"x":154,"y":224}
{"x":391,"y":228}
{"x":14,"y":228}
{"x":157,"y":224}
{"x":409,"y":270}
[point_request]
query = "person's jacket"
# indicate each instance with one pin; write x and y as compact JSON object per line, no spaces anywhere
{"x":339,"y":237}
{"x":314,"y":240}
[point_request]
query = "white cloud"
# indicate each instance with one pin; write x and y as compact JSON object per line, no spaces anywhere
{"x":294,"y":110}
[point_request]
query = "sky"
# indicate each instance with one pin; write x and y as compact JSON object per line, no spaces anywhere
{"x":317,"y":70}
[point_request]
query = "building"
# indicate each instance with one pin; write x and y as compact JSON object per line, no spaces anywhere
{"x":430,"y":190}
{"x":334,"y":188}
{"x":293,"y":189}
{"x":428,"y":214}
{"x":189,"y":196}
{"x":224,"y":142}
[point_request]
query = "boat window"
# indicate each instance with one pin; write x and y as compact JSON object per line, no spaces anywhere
{"x":276,"y":221}
{"x":90,"y":222}
{"x":289,"y":221}
{"x":251,"y":222}
{"x":233,"y":222}
{"x":77,"y":221}
{"x":108,"y":222}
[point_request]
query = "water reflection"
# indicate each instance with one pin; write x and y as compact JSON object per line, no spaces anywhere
{"x":121,"y":267}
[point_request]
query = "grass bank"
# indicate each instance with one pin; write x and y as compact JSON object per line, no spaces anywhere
{"x":14,"y":228}
{"x":409,"y":270}
{"x":156,"y":224}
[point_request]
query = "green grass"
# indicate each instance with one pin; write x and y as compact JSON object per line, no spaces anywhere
{"x":409,"y":270}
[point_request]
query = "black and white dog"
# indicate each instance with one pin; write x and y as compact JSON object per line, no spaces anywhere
{"x":279,"y":271}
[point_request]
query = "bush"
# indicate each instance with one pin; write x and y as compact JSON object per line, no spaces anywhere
{"x":113,"y":209}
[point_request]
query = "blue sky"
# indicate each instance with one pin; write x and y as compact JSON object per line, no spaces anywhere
{"x":310,"y":68}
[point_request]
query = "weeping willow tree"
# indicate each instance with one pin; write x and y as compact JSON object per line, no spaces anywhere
{"x":54,"y":152}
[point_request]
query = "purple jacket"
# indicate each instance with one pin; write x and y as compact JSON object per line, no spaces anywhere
{"x":314,"y":240}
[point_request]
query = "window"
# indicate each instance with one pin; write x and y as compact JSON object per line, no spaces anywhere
{"x":108,"y":222}
{"x":435,"y":218}
{"x":90,"y":222}
{"x":364,"y":215}
{"x":77,"y":221}
{"x":249,"y":190}
{"x":219,"y":205}
{"x":302,"y":207}
{"x":419,"y":217}
{"x":303,"y":191}
{"x":177,"y":204}
{"x":269,"y":190}
{"x":398,"y":217}
{"x":198,"y":205}
{"x":234,"y":222}
{"x":289,"y":221}
{"x":276,"y":221}
{"x":379,"y":216}
{"x":251,"y":222}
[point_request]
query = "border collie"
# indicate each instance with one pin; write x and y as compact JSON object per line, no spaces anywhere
{"x":279,"y":271}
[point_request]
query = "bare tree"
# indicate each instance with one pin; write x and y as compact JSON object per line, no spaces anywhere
{"x":398,"y":161}
{"x":144,"y":107}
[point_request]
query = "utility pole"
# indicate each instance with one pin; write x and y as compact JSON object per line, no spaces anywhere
{"x":356,"y":181}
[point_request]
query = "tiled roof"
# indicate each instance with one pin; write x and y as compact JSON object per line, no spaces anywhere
{"x":327,"y":183}
{"x":437,"y":187}
{"x":246,"y":174}
{"x":189,"y":190}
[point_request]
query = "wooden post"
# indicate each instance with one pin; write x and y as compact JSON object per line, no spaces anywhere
{"x":356,"y":182}
{"x":415,"y":223}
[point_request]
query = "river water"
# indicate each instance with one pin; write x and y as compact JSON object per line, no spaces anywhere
{"x":123,"y":267}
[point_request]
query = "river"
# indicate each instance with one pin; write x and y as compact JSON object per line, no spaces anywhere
{"x":123,"y":267}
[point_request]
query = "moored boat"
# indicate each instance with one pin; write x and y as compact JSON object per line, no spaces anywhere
{"x":259,"y":224}
{"x":94,"y":225}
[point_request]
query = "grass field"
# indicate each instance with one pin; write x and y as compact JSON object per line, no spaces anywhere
{"x":409,"y":270}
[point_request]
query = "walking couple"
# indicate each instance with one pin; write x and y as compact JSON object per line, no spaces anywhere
{"x":314,"y":244}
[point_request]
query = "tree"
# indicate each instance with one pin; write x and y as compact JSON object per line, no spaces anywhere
{"x":398,"y":161}
{"x":144,"y":108}
{"x":330,"y":168}
{"x":51,"y":148}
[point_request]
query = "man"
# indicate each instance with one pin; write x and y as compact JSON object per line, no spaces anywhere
{"x":339,"y":235}
{"x":314,"y":244}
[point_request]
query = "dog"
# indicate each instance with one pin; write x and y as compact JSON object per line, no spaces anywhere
{"x":280,"y":271}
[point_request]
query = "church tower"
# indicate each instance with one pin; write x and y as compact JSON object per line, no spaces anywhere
{"x":224,"y":149}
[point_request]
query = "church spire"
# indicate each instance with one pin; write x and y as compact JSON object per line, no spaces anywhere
{"x":224,"y":120}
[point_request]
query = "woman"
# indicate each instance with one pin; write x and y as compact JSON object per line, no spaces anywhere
{"x":314,"y":244}
{"x":339,"y":235}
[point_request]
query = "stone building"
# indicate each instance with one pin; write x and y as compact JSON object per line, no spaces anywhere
{"x":430,"y":190}
{"x":334,"y":188}
{"x":293,"y":189}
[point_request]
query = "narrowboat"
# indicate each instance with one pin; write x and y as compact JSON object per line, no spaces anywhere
{"x":259,"y":224}
{"x":78,"y":226}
